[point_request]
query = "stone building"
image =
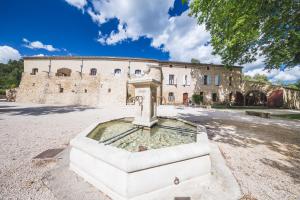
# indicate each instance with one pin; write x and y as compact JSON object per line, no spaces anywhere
{"x":103,"y":81}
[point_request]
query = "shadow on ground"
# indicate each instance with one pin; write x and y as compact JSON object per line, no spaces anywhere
{"x":245,"y":134}
{"x":42,"y":110}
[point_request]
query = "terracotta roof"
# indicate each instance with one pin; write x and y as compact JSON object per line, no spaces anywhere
{"x":169,"y":63}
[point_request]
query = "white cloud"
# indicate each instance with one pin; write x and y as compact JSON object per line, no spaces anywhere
{"x":180,"y":36}
{"x":39,"y":45}
{"x":39,"y":55}
{"x":77,"y":3}
{"x":288,"y":75}
{"x":8,"y":53}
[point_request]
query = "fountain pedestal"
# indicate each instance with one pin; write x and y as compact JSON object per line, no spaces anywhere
{"x":145,"y":94}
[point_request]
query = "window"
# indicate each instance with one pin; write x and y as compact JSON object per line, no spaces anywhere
{"x":214,"y":97}
{"x":206,"y":80}
{"x":60,"y":88}
{"x":171,"y":97}
{"x":217,"y":80}
{"x":171,"y":79}
{"x":207,"y":67}
{"x":117,"y":72}
{"x":34,"y":71}
{"x":93,"y":72}
{"x":85,"y":90}
{"x":138,"y":72}
{"x":230,"y":80}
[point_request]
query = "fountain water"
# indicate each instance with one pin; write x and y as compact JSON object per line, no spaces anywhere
{"x":122,"y":157}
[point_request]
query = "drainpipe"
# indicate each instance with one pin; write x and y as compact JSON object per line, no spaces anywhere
{"x":49,"y":71}
{"x":81,"y":66}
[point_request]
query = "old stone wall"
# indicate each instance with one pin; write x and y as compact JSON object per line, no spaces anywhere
{"x":109,"y":85}
{"x":190,"y":80}
{"x":73,"y":90}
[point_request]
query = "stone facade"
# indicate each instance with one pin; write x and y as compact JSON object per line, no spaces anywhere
{"x":103,"y":81}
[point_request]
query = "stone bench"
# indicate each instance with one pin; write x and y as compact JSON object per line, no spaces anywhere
{"x":258,"y":114}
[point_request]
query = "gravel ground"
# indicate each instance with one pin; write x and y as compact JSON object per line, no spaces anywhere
{"x":263,"y":154}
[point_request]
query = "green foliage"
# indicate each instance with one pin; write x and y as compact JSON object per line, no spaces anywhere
{"x":294,"y":85}
{"x":195,"y":61}
{"x":243,"y":29}
{"x":10,"y":74}
{"x":197,"y":99}
{"x":257,"y":78}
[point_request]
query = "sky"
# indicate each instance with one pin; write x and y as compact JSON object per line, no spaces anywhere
{"x":158,"y":29}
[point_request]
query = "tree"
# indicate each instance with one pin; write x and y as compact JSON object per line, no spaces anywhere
{"x":294,"y":85}
{"x":195,"y":61}
{"x":257,"y":78}
{"x":242,"y":30}
{"x":261,"y":78}
{"x":10,"y":75}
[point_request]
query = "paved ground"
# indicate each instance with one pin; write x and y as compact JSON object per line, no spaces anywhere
{"x":263,"y":154}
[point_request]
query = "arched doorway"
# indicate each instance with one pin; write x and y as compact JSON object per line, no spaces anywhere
{"x":275,"y":99}
{"x":237,"y":98}
{"x":64,"y":72}
{"x":255,"y":98}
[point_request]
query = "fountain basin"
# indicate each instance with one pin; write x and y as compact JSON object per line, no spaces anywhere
{"x":150,"y":174}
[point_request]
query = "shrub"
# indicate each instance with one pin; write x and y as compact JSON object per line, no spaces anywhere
{"x":2,"y":92}
{"x":197,"y":99}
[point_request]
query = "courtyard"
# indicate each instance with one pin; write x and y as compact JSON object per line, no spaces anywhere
{"x":262,"y":154}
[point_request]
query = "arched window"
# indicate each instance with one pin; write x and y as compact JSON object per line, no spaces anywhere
{"x":137,"y":72}
{"x":63,"y":72}
{"x":117,"y":72}
{"x":171,"y":97}
{"x":93,"y":72}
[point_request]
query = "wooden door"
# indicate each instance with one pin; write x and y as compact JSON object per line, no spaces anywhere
{"x":185,"y":98}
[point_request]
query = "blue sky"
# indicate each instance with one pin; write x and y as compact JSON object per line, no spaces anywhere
{"x":159,"y":29}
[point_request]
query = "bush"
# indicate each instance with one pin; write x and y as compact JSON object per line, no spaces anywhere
{"x":2,"y":92}
{"x":197,"y":99}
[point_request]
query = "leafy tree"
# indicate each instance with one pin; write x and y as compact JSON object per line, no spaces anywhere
{"x":10,"y":75}
{"x":294,"y":85}
{"x":257,"y":78}
{"x":195,"y":61}
{"x":261,"y":78}
{"x":243,"y":29}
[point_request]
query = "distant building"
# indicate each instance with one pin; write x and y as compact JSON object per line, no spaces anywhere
{"x":102,"y":81}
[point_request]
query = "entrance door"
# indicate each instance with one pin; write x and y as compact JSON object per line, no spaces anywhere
{"x":185,"y":98}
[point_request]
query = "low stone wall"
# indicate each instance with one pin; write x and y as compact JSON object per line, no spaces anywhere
{"x":11,"y":95}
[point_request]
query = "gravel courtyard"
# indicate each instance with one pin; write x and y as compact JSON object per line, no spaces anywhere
{"x":263,"y":154}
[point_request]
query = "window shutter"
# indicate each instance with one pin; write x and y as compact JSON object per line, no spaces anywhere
{"x":208,"y":80}
{"x":183,"y":79}
{"x":217,"y":80}
{"x":166,"y":79}
{"x":188,"y":80}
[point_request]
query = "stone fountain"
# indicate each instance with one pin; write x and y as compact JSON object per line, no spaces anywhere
{"x":106,"y":155}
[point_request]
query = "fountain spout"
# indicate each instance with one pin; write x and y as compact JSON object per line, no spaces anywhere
{"x":145,"y":94}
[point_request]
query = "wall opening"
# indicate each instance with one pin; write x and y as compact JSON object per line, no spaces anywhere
{"x":255,"y":98}
{"x":63,"y":72}
{"x":236,"y":98}
{"x":214,"y":97}
{"x":171,"y":97}
{"x":275,"y":99}
{"x":34,"y":71}
{"x":93,"y":72}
